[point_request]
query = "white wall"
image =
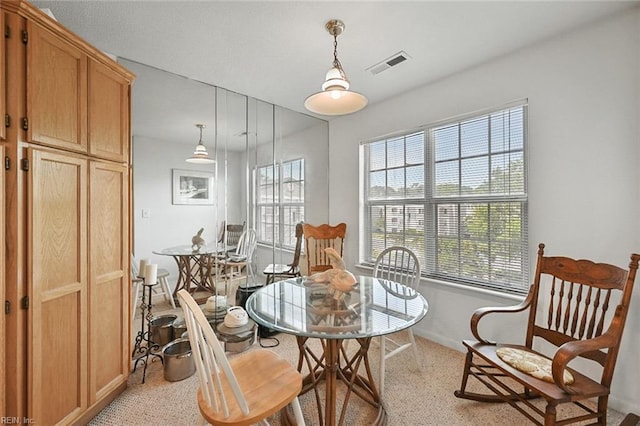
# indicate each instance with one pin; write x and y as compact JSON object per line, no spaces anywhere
{"x":171,"y":225}
{"x":584,"y":108}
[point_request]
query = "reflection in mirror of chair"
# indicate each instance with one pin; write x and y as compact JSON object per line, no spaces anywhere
{"x":234,"y":232}
{"x":291,"y":270}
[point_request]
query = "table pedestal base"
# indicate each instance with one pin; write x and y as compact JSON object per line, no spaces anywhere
{"x":335,"y":365}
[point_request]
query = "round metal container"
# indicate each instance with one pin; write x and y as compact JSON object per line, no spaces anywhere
{"x":179,"y":327}
{"x":178,"y":360}
{"x":162,"y":329}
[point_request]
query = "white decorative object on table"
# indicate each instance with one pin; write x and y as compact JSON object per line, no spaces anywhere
{"x":339,"y":279}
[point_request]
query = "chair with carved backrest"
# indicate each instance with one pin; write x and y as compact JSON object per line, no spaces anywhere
{"x":245,"y":389}
{"x":233,"y":233}
{"x":569,"y":317}
{"x":276,"y":270}
{"x":318,"y":238}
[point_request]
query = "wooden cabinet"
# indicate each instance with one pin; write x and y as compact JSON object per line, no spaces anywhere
{"x":57,"y":366}
{"x":2,"y":283}
{"x":74,"y":102}
{"x":56,"y":91}
{"x":109,"y":278}
{"x":108,"y":113}
{"x":66,"y":223}
{"x":3,"y":79}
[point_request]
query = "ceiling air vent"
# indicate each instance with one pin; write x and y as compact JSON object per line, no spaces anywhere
{"x":392,"y":61}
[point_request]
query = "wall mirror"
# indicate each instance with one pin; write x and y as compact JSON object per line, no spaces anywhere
{"x":271,"y":168}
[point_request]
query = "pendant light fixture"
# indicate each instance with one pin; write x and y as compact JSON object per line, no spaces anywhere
{"x":200,"y":155}
{"x":335,"y":98}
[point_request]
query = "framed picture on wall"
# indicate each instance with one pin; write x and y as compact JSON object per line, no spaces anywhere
{"x":192,"y":187}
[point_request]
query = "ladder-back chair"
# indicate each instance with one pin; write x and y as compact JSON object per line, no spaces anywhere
{"x":318,"y":238}
{"x":245,"y":389}
{"x":291,"y":270}
{"x":397,"y":265}
{"x":576,"y":307}
{"x":238,"y":265}
{"x":165,"y":290}
{"x":233,"y":234}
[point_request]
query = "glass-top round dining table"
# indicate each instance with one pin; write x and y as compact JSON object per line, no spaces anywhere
{"x":310,"y":310}
{"x":194,"y":267}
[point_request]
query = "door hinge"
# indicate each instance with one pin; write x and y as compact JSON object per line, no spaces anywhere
{"x":7,"y":31}
{"x":25,"y":36}
{"x":7,"y":120}
{"x":24,"y":164}
{"x":7,"y":163}
{"x":25,"y":123}
{"x":7,"y":307}
{"x":25,"y":302}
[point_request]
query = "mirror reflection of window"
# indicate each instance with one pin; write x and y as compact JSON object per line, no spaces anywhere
{"x":280,"y":202}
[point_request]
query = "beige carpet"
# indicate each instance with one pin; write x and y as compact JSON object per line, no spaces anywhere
{"x":412,"y":396}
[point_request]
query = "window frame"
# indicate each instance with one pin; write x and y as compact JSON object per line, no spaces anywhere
{"x":428,"y":202}
{"x":278,"y":203}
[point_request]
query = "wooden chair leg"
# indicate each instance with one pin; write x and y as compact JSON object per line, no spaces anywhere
{"x":465,"y":375}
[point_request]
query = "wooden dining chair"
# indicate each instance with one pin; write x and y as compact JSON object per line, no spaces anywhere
{"x":236,"y":266}
{"x":397,"y":265}
{"x":318,"y":238}
{"x":233,"y":234}
{"x":290,"y":270}
{"x":576,"y":309}
{"x":245,"y":389}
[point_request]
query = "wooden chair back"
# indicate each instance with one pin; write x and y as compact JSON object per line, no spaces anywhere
{"x":318,"y":238}
{"x":579,"y":300}
{"x":234,"y":232}
{"x":212,"y":365}
{"x":296,"y":252}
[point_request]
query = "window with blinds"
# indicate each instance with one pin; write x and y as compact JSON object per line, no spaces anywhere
{"x":279,"y":202}
{"x":456,"y":194}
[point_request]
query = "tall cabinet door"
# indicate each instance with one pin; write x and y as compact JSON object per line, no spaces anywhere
{"x":56,"y":91}
{"x":108,"y":113}
{"x":3,"y":78}
{"x":57,"y":274}
{"x":109,"y":290}
{"x":2,"y":284}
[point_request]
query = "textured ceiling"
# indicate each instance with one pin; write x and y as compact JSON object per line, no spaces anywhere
{"x":279,"y":51}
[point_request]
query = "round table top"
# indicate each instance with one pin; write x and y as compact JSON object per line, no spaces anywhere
{"x":187,"y":250}
{"x":303,"y":308}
